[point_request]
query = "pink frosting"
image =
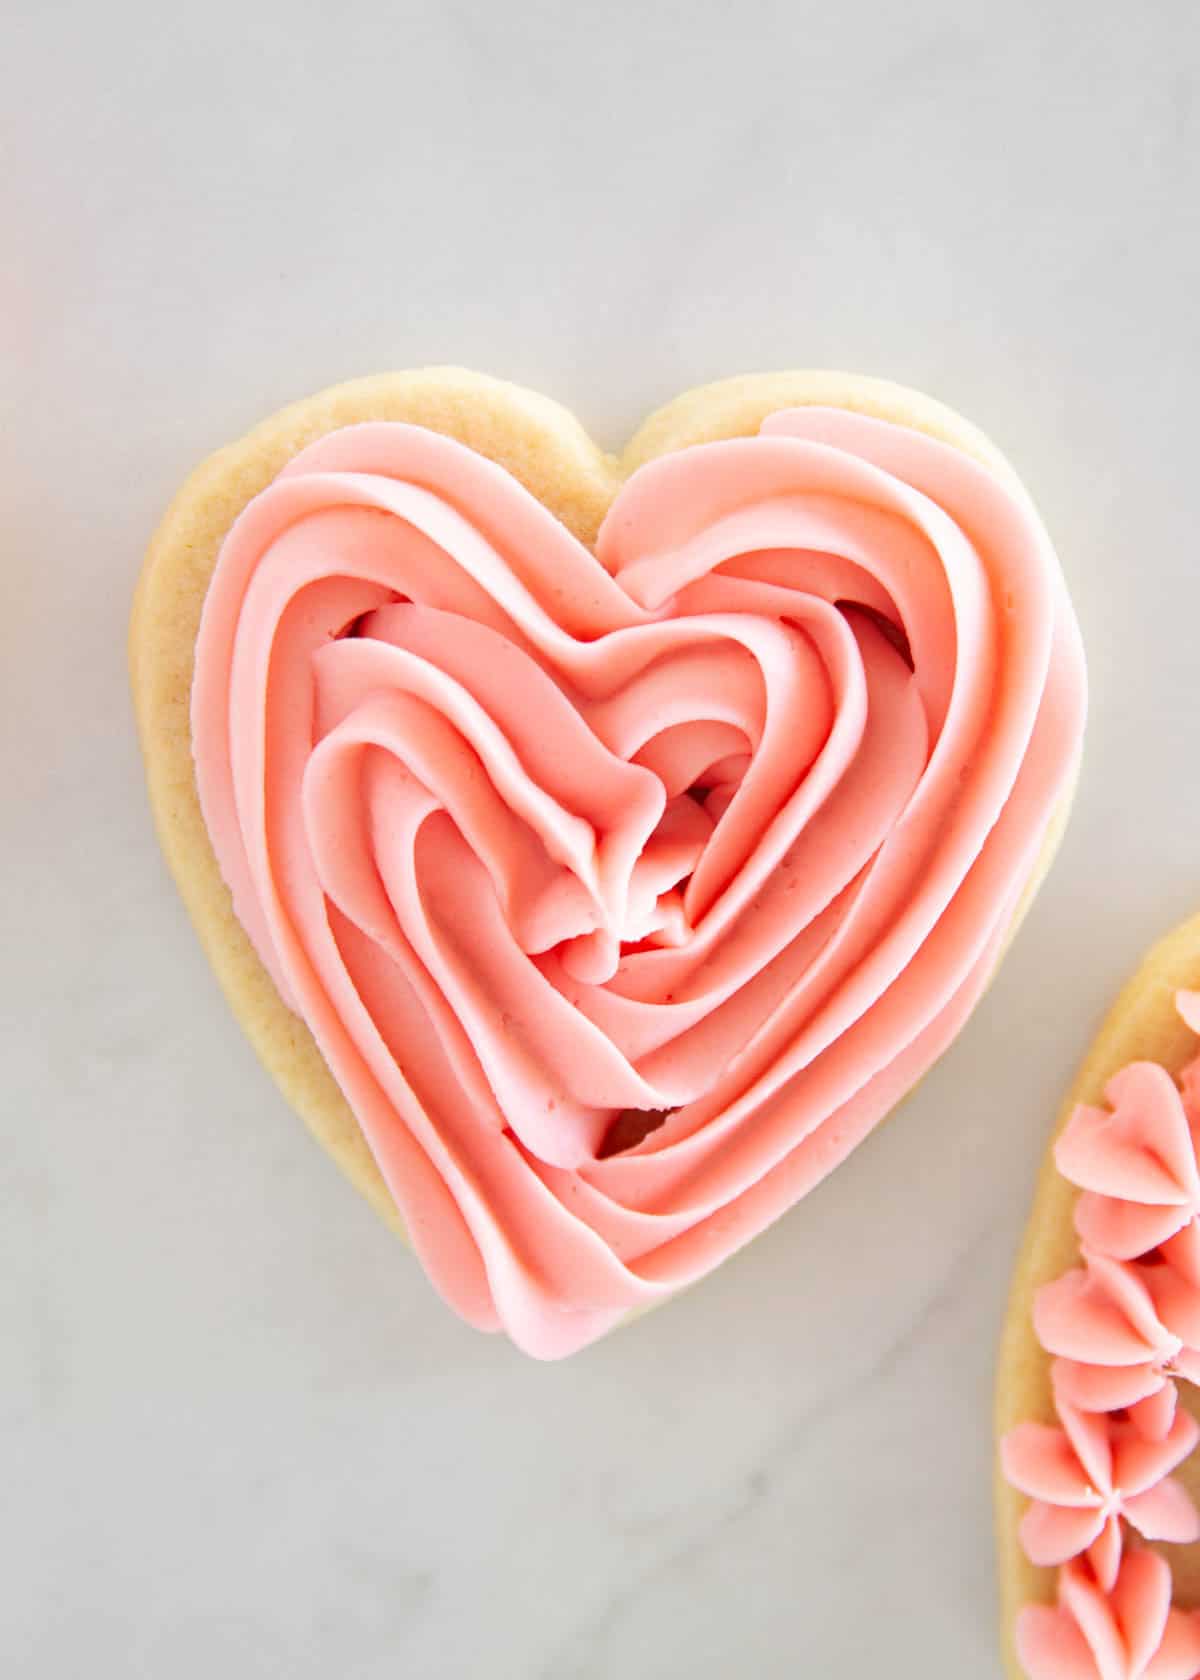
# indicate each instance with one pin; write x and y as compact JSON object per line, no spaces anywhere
{"x":1116,"y":1353}
{"x":1092,"y":1474}
{"x":624,"y":892}
{"x":1135,"y":1161}
{"x":1125,"y":1326}
{"x":1130,"y":1633}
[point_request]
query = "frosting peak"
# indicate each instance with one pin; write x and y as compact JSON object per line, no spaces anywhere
{"x":1130,"y":1633}
{"x":1135,"y":1161}
{"x":1091,"y":1473}
{"x":1124,"y":1327}
{"x":723,"y":824}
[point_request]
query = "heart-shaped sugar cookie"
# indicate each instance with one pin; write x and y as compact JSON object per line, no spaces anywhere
{"x":595,"y":851}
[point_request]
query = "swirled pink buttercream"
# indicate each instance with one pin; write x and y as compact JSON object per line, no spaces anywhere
{"x":702,"y":844}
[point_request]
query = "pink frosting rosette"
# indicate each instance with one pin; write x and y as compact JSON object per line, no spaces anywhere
{"x":1131,"y":1634}
{"x":1123,"y":1330}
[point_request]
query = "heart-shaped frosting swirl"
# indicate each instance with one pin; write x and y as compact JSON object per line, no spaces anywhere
{"x":624,"y":891}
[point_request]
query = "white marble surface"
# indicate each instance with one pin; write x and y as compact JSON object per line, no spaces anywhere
{"x":242,"y":1437}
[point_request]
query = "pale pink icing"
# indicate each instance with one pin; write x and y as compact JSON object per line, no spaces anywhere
{"x":1091,"y":1474}
{"x":724,"y":823}
{"x":1135,"y":1161}
{"x":1124,"y":1327}
{"x":1134,"y":1158}
{"x":1105,"y":1321}
{"x":1131,"y":1633}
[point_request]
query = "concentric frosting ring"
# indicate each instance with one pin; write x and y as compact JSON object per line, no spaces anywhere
{"x":721,"y":825}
